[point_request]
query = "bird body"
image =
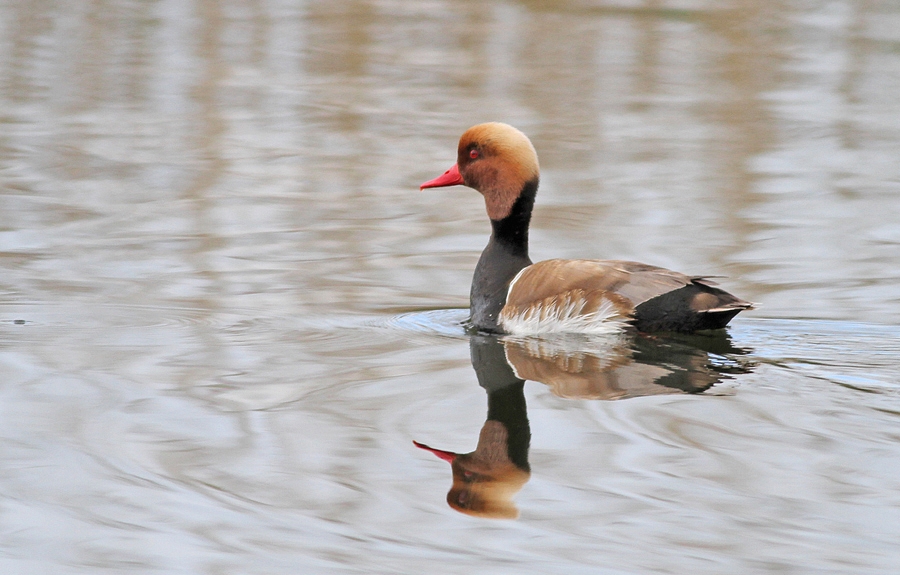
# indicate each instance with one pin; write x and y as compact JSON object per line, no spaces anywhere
{"x":512,"y":295}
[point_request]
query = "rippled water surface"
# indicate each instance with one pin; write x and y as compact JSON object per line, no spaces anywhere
{"x":226,"y":312}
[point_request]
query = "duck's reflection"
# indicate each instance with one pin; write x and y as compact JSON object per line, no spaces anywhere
{"x":632,"y":365}
{"x":485,"y":480}
{"x":623,"y":366}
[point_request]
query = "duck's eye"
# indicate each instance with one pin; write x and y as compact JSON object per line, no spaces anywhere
{"x":473,"y":154}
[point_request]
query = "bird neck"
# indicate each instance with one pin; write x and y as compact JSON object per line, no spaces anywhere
{"x":505,"y":256}
{"x":512,"y":231}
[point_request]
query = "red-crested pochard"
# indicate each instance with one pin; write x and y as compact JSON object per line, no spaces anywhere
{"x":512,"y":295}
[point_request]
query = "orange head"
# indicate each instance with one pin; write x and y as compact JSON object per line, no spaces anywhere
{"x":495,"y":159}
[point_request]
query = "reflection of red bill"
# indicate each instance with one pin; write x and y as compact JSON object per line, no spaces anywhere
{"x":447,"y":456}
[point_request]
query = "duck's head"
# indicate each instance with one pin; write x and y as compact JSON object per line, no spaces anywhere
{"x":495,"y":159}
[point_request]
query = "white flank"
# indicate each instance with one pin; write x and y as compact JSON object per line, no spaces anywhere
{"x":563,"y":317}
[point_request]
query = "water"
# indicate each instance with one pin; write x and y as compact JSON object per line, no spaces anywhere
{"x":226,"y":312}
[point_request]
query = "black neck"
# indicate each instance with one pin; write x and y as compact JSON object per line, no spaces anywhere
{"x":512,"y":231}
{"x":505,"y":256}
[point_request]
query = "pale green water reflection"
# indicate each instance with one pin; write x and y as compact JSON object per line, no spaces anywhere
{"x":226,"y":311}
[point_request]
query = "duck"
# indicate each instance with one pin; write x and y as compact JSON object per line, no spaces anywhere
{"x":512,"y":295}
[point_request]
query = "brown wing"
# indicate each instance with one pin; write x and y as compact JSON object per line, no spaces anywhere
{"x":626,"y":285}
{"x":633,"y":282}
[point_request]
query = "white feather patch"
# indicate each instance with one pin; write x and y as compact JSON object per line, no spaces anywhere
{"x":563,"y":315}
